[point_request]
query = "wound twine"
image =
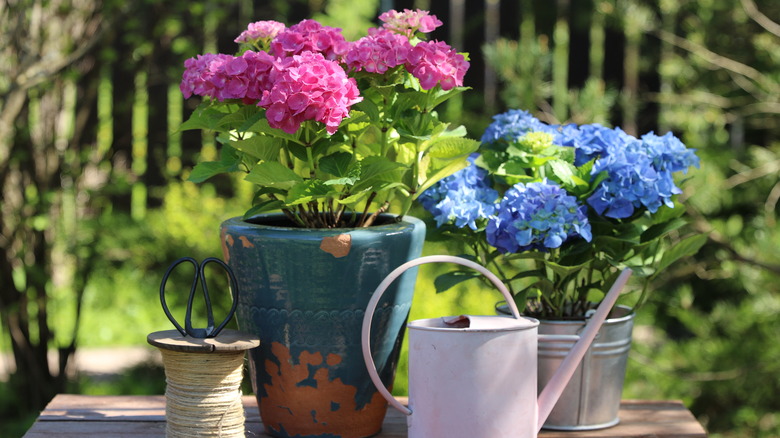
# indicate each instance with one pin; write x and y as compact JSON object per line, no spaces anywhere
{"x":203,"y":395}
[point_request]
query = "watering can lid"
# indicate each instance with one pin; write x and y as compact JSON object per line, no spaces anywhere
{"x":475,"y":323}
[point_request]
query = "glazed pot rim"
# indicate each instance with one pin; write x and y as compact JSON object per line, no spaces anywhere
{"x":393,"y":221}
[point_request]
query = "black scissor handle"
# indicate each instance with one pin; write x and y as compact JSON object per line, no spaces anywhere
{"x":210,"y":331}
{"x":233,"y":290}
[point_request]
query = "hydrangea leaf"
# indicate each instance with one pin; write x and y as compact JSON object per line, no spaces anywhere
{"x":241,"y":118}
{"x":564,"y":271}
{"x":666,"y":213}
{"x":355,"y":197}
{"x":337,"y":164}
{"x":261,"y":147}
{"x":273,"y":174}
{"x":441,"y":96}
{"x":440,"y":174}
{"x":261,"y":207}
{"x":207,"y":169}
{"x":349,"y":179}
{"x":527,"y":255}
{"x":563,"y":171}
{"x":355,"y":118}
{"x":370,"y":108}
{"x":459,"y":131}
{"x":205,"y":117}
{"x":452,"y":147}
{"x":378,"y":169}
{"x":262,"y":126}
{"x":229,"y":161}
{"x":531,"y":273}
{"x":659,"y":230}
{"x":684,"y":248}
{"x":307,"y":191}
{"x":614,"y":247}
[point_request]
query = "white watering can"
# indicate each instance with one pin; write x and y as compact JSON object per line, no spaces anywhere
{"x":475,"y":376}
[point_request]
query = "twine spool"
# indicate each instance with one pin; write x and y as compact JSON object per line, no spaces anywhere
{"x":203,"y":379}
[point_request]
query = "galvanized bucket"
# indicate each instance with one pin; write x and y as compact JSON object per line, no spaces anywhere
{"x":592,"y":397}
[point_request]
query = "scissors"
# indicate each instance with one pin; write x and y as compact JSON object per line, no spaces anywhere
{"x":200,"y":276}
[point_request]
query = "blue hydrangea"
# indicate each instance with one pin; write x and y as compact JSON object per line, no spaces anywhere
{"x":539,"y":216}
{"x":461,"y":198}
{"x":640,"y":174}
{"x":640,"y":171}
{"x":593,"y":141}
{"x":564,"y":135}
{"x":669,"y":153}
{"x":513,"y":125}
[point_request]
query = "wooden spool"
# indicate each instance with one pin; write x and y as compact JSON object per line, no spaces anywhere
{"x":228,"y":340}
{"x":203,"y":378}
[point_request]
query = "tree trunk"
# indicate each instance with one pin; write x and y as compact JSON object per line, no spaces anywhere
{"x":39,"y":139}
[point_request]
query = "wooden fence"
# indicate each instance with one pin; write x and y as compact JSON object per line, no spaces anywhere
{"x":560,"y":60}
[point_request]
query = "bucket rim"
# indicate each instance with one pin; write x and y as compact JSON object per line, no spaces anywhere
{"x":627,"y":313}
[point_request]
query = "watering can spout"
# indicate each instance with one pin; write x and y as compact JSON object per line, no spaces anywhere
{"x":554,"y":388}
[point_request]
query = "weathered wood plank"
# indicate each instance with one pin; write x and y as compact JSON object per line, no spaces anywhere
{"x":133,"y":416}
{"x":108,"y":429}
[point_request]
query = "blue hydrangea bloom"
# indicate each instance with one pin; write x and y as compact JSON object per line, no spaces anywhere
{"x":669,"y":153}
{"x":591,"y":141}
{"x":564,"y":135}
{"x":513,"y":125}
{"x":461,"y":198}
{"x":640,"y":174}
{"x":640,"y":171}
{"x":536,"y":216}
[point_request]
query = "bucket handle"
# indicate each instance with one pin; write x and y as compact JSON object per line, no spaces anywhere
{"x":380,"y":290}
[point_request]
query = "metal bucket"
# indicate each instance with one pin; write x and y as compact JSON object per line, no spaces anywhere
{"x":592,"y":397}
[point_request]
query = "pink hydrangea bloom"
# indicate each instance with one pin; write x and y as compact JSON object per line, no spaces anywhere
{"x":257,"y":75}
{"x":309,"y":35}
{"x":224,"y":77}
{"x":202,"y":75}
{"x":434,"y":62}
{"x":379,"y":51}
{"x":260,"y":30}
{"x":308,"y":87}
{"x":408,"y":22}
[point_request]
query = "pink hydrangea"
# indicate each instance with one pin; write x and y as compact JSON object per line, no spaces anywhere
{"x":379,"y":51}
{"x":408,"y":22}
{"x":257,"y":75}
{"x":434,"y":62}
{"x":309,"y":35}
{"x":308,"y":87}
{"x":225,"y":77}
{"x":260,"y":30}
{"x":201,"y":75}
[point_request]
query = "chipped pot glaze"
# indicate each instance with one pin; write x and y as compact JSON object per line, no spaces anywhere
{"x":304,"y":292}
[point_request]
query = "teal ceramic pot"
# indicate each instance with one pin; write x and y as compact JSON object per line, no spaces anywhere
{"x":304,"y":293}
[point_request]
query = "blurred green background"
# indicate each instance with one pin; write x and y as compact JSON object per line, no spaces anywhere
{"x":95,"y":204}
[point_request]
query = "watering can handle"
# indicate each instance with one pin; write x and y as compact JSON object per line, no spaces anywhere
{"x":380,"y":290}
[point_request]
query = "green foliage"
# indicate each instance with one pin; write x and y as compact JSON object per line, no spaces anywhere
{"x":354,"y":18}
{"x":395,"y":149}
{"x":525,"y":70}
{"x":16,"y":421}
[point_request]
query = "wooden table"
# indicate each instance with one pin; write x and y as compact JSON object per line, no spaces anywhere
{"x":144,"y":416}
